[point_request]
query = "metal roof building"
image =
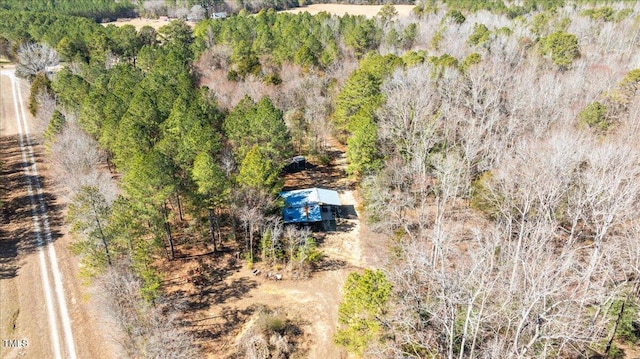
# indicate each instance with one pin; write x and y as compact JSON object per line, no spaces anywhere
{"x":311,"y":205}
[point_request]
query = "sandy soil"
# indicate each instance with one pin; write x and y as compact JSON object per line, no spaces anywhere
{"x":404,"y":11}
{"x":22,"y":309}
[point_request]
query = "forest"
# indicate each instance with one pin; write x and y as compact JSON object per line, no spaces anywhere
{"x":493,"y":144}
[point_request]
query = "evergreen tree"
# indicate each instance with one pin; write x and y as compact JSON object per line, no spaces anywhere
{"x":257,"y":171}
{"x":88,"y":216}
{"x":250,"y":124}
{"x":40,"y":84}
{"x":364,"y":301}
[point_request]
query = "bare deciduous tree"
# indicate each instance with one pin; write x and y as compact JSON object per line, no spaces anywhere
{"x":197,"y":13}
{"x":76,"y":161}
{"x":34,"y":58}
{"x":46,"y":108}
{"x":147,"y":330}
{"x":154,"y":8}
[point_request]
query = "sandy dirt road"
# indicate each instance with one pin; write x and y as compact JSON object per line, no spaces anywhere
{"x":44,"y":312}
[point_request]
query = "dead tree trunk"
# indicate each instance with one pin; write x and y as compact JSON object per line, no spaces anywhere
{"x":167,"y":228}
{"x":212,"y":228}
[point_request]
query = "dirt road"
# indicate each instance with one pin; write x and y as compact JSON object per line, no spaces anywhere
{"x":43,"y":311}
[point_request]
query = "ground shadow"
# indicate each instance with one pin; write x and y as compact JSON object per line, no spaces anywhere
{"x":345,"y":226}
{"x":348,"y":212}
{"x":329,"y":176}
{"x":209,"y":281}
{"x":8,"y":258}
{"x":18,"y":233}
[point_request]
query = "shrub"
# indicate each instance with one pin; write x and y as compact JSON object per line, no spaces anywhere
{"x":623,"y":14}
{"x":269,"y":335}
{"x":472,"y":59}
{"x":604,"y":13}
{"x":413,"y":58}
{"x":409,"y":35}
{"x":594,"y":116}
{"x":55,"y":126}
{"x":480,"y":34}
{"x":456,"y":16}
{"x":481,"y":195}
{"x":387,"y":12}
{"x":562,"y":47}
{"x":632,"y":78}
{"x":270,"y":323}
{"x":437,"y":38}
{"x":625,"y":330}
{"x":272,"y":78}
{"x":41,"y":83}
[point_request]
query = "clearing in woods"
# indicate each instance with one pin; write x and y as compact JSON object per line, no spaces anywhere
{"x":139,"y":22}
{"x":404,"y":11}
{"x":223,"y":294}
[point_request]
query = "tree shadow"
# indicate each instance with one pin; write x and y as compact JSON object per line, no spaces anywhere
{"x":209,"y":281}
{"x":236,"y":289}
{"x":229,"y":320}
{"x":319,"y":175}
{"x":8,"y":255}
{"x":19,"y":234}
{"x":327,"y":265}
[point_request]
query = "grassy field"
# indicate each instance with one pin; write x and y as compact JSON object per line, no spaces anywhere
{"x":404,"y":11}
{"x":342,"y":9}
{"x":140,"y":22}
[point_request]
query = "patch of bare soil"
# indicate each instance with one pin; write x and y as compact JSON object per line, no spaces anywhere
{"x":331,"y":175}
{"x":222,"y":295}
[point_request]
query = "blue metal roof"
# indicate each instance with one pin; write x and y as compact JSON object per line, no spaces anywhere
{"x":303,"y":214}
{"x":301,"y":197}
{"x":303,"y":205}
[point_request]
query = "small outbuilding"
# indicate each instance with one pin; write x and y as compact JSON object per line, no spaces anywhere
{"x":312,"y":206}
{"x":296,"y":164}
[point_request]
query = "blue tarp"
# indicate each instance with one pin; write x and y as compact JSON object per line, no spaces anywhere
{"x":304,"y":205}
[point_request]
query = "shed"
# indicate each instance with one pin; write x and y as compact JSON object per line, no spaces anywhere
{"x":298,"y":163}
{"x":311,"y":206}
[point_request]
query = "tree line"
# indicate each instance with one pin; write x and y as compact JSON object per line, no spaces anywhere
{"x":94,"y":9}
